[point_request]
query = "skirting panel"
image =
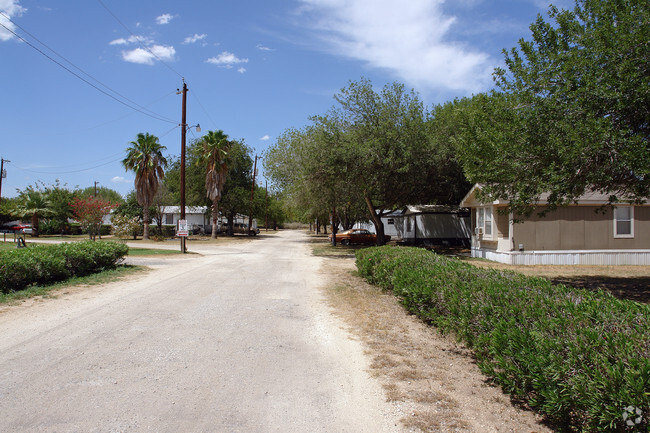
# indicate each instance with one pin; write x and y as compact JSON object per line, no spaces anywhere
{"x":599,"y":257}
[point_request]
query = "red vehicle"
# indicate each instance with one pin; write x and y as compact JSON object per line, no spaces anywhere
{"x":356,"y":236}
{"x":22,"y":228}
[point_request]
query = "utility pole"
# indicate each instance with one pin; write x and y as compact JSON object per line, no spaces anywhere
{"x":96,"y":188}
{"x":250,"y":216}
{"x":266,"y":215}
{"x":183,"y":131}
{"x":3,"y":173}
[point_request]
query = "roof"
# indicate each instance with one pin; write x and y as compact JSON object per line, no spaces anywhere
{"x":188,"y":209}
{"x":588,"y":198}
{"x":433,"y":209}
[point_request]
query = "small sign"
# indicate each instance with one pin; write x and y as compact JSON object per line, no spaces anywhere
{"x":182,"y":229}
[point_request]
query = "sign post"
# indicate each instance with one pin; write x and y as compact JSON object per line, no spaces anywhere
{"x":182,"y":232}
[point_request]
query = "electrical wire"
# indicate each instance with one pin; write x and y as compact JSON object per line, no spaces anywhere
{"x":65,"y":172}
{"x":138,"y":39}
{"x":79,"y":69}
{"x":154,"y":116}
{"x":194,"y":95}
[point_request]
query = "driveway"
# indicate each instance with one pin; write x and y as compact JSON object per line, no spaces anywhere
{"x":238,"y":339}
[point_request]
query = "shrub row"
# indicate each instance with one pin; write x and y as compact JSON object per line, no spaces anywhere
{"x":581,"y":358}
{"x":42,"y":264}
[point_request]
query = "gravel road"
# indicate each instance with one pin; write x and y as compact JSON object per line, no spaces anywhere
{"x":238,"y":339}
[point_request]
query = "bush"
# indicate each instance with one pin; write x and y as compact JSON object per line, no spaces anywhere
{"x":41,"y":264}
{"x":578,"y":357}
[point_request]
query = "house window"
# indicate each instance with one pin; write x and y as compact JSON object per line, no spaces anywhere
{"x":624,"y":222}
{"x":484,"y":221}
{"x":169,"y":218}
{"x":391,"y":221}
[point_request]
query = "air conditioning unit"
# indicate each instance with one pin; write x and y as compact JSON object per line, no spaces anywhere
{"x":478,"y":231}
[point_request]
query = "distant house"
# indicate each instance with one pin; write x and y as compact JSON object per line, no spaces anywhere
{"x":434,"y":225}
{"x":581,"y":233}
{"x":197,"y":216}
{"x":426,"y":225}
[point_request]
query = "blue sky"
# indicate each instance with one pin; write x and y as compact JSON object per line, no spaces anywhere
{"x":253,"y":68}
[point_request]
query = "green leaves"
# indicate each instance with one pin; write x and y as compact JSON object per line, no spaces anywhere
{"x":576,"y":356}
{"x":577,"y":99}
{"x":44,"y":264}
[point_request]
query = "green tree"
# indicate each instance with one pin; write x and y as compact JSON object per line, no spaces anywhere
{"x":59,"y":197}
{"x":213,"y":149}
{"x":7,"y":206}
{"x":103,"y":192}
{"x":573,"y":111}
{"x":145,"y":158}
{"x":33,"y":203}
{"x":161,"y":201}
{"x":391,"y":159}
{"x":237,"y":188}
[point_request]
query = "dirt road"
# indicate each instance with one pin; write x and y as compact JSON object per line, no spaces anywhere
{"x":235,"y":340}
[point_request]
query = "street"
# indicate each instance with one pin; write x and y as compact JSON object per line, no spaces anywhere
{"x":236,"y":339}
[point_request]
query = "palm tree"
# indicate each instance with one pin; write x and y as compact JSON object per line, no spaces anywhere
{"x":145,"y":158}
{"x":213,"y":150}
{"x":33,"y":204}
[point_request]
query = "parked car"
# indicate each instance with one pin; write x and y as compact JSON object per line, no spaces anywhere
{"x":22,"y":228}
{"x":357,"y":236}
{"x":241,"y":228}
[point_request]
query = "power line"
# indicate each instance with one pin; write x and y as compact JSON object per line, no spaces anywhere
{"x":138,"y":39}
{"x":154,"y":116}
{"x":78,"y":68}
{"x":66,"y":172}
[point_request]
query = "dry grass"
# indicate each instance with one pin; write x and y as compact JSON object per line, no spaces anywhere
{"x":433,"y":380}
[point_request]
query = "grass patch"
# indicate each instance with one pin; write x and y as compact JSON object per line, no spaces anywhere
{"x":107,"y":276}
{"x":152,"y":252}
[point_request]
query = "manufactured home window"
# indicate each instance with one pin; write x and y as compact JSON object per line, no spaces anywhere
{"x":169,"y":218}
{"x":391,"y":221}
{"x":484,"y":221}
{"x":624,"y":222}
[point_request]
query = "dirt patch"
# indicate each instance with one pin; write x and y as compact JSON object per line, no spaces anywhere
{"x":435,"y":380}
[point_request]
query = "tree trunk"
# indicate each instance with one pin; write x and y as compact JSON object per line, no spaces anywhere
{"x":215,"y":217}
{"x":35,"y":225}
{"x":231,"y":223}
{"x":376,"y":219}
{"x":145,"y":230}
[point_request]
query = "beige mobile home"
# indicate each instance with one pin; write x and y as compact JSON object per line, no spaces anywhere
{"x":581,"y":233}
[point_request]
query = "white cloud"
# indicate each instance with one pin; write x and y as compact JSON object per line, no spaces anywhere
{"x":265,"y":138}
{"x":120,"y":179}
{"x":241,"y":70}
{"x":133,"y":39}
{"x":227,"y":60}
{"x":413,"y":40}
{"x":11,"y":8}
{"x":263,"y":48}
{"x":147,"y":57}
{"x":164,"y":19}
{"x":195,"y":38}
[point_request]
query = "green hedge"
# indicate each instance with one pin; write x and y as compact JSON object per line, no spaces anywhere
{"x":578,"y":357}
{"x":40,"y":264}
